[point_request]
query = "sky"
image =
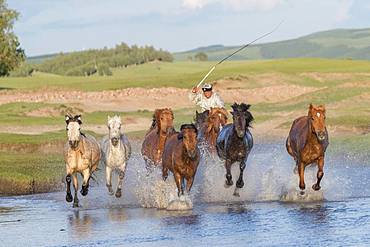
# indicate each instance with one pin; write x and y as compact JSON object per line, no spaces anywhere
{"x":50,"y":26}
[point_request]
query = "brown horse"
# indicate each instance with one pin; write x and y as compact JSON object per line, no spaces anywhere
{"x":307,"y":143}
{"x":155,"y":138}
{"x":181,"y":156}
{"x":209,"y":124}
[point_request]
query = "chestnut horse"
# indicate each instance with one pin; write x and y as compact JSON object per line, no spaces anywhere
{"x":209,"y":124}
{"x":181,"y":156}
{"x":155,"y":138}
{"x":235,"y":142}
{"x":307,"y":143}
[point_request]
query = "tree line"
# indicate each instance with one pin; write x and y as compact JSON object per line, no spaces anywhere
{"x":100,"y":61}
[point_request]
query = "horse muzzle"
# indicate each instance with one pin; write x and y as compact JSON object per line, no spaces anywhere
{"x":240,"y":133}
{"x":114,"y":141}
{"x":321,"y":136}
{"x":73,"y":144}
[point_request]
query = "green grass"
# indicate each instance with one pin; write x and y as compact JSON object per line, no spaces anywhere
{"x":184,"y":74}
{"x":30,"y":173}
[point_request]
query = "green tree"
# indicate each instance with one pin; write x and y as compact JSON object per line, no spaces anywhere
{"x":11,"y":54}
{"x":201,"y":56}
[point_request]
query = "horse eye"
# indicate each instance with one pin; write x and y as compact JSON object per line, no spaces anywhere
{"x":312,"y":118}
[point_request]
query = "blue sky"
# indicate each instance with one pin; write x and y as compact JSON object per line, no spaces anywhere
{"x":48,"y":26}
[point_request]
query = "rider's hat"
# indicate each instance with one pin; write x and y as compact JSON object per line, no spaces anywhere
{"x":207,"y":87}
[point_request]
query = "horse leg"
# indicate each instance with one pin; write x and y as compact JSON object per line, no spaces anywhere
{"x":69,"y":197}
{"x":164,"y":171}
{"x":189,"y":184}
{"x":108,"y":176}
{"x":302,"y":185}
{"x":229,"y":178}
{"x":85,"y":183}
{"x":320,"y":173}
{"x":120,"y":180}
{"x":75,"y":186}
{"x":178,"y":183}
{"x":240,"y":182}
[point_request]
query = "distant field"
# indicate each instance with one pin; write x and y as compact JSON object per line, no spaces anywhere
{"x":183,"y":74}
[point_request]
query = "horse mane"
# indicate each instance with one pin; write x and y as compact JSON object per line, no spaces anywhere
{"x":156,"y":123}
{"x":242,"y":107}
{"x":189,"y":126}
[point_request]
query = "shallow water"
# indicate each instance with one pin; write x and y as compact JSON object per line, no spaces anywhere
{"x":269,"y":210}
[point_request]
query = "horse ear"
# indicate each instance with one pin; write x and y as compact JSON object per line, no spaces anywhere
{"x":79,"y":120}
{"x":67,"y":118}
{"x":180,"y":136}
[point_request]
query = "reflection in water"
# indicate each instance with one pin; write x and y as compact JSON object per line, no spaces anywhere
{"x":80,"y":224}
{"x":190,"y":219}
{"x":117,"y":214}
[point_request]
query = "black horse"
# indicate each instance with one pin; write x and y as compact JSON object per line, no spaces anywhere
{"x":235,"y":142}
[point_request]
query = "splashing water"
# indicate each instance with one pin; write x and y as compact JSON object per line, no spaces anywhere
{"x":268,"y":176}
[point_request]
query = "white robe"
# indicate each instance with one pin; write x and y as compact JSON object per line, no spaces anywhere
{"x":206,"y":103}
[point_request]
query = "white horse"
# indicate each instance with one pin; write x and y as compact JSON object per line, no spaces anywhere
{"x":81,"y":155}
{"x":116,"y":150}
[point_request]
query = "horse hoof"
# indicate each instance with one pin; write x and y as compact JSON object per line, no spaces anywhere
{"x":164,"y":178}
{"x":302,"y":192}
{"x":84,"y":191}
{"x":316,"y":187}
{"x":69,"y":198}
{"x":75,"y":205}
{"x":228,"y":185}
{"x":239,"y":184}
{"x":118,"y":193}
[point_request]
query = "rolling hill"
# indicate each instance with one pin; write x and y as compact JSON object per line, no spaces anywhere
{"x":338,"y":43}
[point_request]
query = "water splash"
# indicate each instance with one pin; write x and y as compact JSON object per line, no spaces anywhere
{"x":268,"y":176}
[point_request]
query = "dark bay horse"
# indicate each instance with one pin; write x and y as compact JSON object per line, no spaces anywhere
{"x":155,"y":138}
{"x":235,"y":142}
{"x":307,"y":142}
{"x":181,"y":156}
{"x":209,"y":123}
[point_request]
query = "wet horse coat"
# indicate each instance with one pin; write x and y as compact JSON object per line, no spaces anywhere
{"x":81,"y":155}
{"x":116,"y":150}
{"x":155,"y":139}
{"x":181,"y":156}
{"x":235,"y":142}
{"x":209,"y":124}
{"x":307,"y":142}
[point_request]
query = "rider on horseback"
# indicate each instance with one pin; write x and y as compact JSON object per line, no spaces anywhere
{"x":207,"y":98}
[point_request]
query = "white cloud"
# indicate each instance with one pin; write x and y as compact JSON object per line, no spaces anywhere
{"x":236,"y":5}
{"x":344,"y":7}
{"x":195,"y":4}
{"x":253,"y":4}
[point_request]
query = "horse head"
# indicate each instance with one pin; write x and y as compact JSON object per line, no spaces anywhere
{"x":114,"y":126}
{"x":188,"y":136}
{"x":316,"y":115}
{"x":163,"y":119}
{"x":217,"y":119}
{"x":73,"y":130}
{"x":241,"y":118}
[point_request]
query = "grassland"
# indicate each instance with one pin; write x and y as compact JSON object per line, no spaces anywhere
{"x":342,"y":85}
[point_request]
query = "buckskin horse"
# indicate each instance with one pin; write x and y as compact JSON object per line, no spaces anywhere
{"x":181,"y":156}
{"x":307,"y":142}
{"x":81,"y":155}
{"x":209,"y":124}
{"x":155,"y":138}
{"x":235,"y":142}
{"x":116,"y":150}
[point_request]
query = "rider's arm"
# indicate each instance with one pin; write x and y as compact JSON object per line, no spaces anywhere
{"x":195,"y":95}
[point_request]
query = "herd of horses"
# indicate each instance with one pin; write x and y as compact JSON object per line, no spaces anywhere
{"x":179,"y":151}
